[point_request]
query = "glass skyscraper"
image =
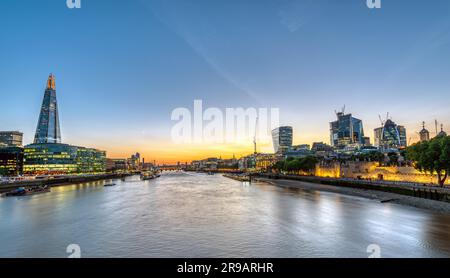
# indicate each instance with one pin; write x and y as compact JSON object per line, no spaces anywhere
{"x":390,"y":136}
{"x":47,"y":156}
{"x":346,"y":130}
{"x":282,"y":139}
{"x":48,"y":131}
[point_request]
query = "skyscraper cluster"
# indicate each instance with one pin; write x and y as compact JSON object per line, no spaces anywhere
{"x":347,"y":137}
{"x":47,"y":155}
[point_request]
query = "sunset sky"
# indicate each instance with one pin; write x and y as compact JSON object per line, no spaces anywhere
{"x":123,"y":66}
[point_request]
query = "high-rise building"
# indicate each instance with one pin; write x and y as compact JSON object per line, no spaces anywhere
{"x":346,"y":130}
{"x":48,"y":131}
{"x":134,"y":162}
{"x":390,"y":136}
{"x":424,"y":134}
{"x":11,"y":138}
{"x":47,"y":156}
{"x":282,"y":139}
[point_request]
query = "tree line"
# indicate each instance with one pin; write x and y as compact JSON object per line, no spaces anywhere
{"x":432,"y":157}
{"x":291,"y":164}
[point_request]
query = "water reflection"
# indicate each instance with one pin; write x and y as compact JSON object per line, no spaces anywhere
{"x":197,"y":215}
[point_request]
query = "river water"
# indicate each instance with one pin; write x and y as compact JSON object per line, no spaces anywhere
{"x":197,"y":215}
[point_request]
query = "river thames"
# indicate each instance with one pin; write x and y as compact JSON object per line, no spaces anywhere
{"x":198,"y":215}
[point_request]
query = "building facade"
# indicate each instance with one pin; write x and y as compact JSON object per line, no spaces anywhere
{"x":346,"y":130}
{"x":11,"y":161}
{"x":298,"y":151}
{"x":134,"y":162}
{"x":11,"y":138}
{"x":321,"y":149}
{"x":62,"y":159}
{"x":116,"y":165}
{"x":247,"y":163}
{"x":390,"y":136}
{"x":48,"y":130}
{"x":264,"y":162}
{"x":282,"y":139}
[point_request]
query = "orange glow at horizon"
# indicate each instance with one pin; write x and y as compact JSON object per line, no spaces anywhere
{"x":169,"y":153}
{"x":166,"y":152}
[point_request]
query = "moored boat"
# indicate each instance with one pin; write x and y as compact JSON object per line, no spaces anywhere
{"x":22,"y":191}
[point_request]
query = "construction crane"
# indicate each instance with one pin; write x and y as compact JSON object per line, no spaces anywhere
{"x":254,"y":138}
{"x":381,"y":120}
{"x":436,"y":126}
{"x":342,"y":112}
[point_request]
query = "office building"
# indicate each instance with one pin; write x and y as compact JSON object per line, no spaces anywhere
{"x":116,"y":165}
{"x":62,"y":159}
{"x":390,"y":136}
{"x":282,"y":139}
{"x":346,"y":130}
{"x":11,"y":161}
{"x":11,"y":138}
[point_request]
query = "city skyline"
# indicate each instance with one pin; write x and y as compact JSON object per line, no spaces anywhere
{"x":224,"y":135}
{"x":48,"y":117}
{"x":120,"y":101}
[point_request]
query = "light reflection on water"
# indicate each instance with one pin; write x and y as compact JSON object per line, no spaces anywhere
{"x":197,"y":215}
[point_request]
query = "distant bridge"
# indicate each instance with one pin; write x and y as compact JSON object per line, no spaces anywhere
{"x":171,"y":167}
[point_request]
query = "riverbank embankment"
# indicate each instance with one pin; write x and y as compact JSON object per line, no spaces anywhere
{"x":374,"y":193}
{"x":58,"y":181}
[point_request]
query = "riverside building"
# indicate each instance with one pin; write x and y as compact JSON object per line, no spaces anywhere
{"x":47,"y":155}
{"x":11,"y":138}
{"x":11,"y":161}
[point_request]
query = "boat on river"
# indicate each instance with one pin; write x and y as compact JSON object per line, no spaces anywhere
{"x":150,"y":175}
{"x":22,"y":191}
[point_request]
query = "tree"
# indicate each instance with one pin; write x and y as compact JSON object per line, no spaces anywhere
{"x":393,"y":158}
{"x":308,"y":163}
{"x":279,"y":166}
{"x":432,"y":157}
{"x":292,"y":164}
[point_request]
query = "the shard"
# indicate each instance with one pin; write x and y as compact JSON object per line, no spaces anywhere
{"x":48,"y":130}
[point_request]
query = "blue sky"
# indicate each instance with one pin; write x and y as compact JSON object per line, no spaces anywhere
{"x":123,"y":66}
